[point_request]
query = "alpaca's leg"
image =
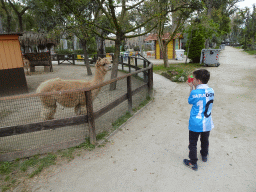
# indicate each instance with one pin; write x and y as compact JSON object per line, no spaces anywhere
{"x":78,"y":109}
{"x":48,"y":112}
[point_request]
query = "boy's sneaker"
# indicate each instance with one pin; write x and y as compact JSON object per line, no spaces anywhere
{"x":204,"y":158}
{"x":189,"y":164}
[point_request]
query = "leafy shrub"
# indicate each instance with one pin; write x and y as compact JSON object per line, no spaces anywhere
{"x":64,"y":51}
{"x":110,"y":49}
{"x":196,"y":45}
{"x":79,"y":51}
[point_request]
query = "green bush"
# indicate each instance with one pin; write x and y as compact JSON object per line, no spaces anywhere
{"x":64,"y":52}
{"x":196,"y":45}
{"x":79,"y":51}
{"x":110,"y":49}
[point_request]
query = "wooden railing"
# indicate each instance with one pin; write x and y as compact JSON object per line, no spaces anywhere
{"x":72,"y":58}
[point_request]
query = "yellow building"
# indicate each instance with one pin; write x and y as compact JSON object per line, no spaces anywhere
{"x":171,"y":47}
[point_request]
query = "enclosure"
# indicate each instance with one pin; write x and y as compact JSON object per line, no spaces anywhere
{"x":23,"y":133}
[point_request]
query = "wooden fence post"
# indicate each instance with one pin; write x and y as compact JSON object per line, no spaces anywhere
{"x":73,"y":58}
{"x":90,"y":115}
{"x":150,"y":82}
{"x":122,"y":62}
{"x":129,"y":63}
{"x":136,"y":65}
{"x":144,"y":72}
{"x":129,"y":93}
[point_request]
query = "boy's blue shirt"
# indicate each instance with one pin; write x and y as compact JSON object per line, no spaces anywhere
{"x":200,"y":115}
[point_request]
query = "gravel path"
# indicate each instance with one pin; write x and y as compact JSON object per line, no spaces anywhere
{"x":147,"y":153}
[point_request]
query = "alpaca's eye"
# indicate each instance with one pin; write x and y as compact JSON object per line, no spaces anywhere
{"x":104,"y":64}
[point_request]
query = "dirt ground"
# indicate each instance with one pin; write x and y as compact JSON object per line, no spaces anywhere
{"x":147,"y":153}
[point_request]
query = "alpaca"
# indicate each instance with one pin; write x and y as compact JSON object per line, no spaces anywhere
{"x":26,"y":65}
{"x":71,"y":99}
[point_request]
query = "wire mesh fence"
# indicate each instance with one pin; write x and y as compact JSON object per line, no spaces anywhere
{"x":30,"y":110}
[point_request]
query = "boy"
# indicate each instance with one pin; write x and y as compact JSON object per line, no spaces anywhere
{"x":200,"y":122}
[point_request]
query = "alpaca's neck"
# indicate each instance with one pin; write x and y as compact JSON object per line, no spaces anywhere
{"x":98,"y":77}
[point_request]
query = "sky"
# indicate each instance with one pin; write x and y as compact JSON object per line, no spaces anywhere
{"x":246,"y":3}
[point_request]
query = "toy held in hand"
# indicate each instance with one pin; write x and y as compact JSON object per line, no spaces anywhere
{"x":190,"y":79}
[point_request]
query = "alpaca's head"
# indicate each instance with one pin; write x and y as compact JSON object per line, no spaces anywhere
{"x":103,"y":64}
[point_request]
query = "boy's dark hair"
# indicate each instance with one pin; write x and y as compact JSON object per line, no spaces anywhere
{"x":202,"y":74}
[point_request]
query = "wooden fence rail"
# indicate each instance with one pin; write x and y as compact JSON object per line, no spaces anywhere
{"x":72,"y":58}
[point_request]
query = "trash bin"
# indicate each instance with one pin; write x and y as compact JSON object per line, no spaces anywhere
{"x":222,"y":46}
{"x":179,"y":54}
{"x":210,"y":57}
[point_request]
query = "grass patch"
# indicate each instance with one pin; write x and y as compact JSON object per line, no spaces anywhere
{"x":177,"y":72}
{"x":238,"y":47}
{"x":142,"y":104}
{"x":250,"y":52}
{"x":86,"y":145}
{"x":121,"y":120}
{"x":101,"y":135}
{"x":7,"y":167}
{"x":11,"y":171}
{"x":43,"y":163}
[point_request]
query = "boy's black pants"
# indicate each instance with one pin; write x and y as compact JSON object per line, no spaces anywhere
{"x":193,"y":137}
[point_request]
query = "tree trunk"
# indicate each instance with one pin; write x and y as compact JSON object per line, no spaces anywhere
{"x":115,"y":62}
{"x":20,"y":23}
{"x":100,"y":47}
{"x":209,"y":5}
{"x":163,"y":49}
{"x":165,"y":55}
{"x":86,"y":61}
{"x":1,"y":26}
{"x":9,"y":18}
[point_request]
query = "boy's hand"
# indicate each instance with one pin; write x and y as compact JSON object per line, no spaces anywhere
{"x":190,"y":84}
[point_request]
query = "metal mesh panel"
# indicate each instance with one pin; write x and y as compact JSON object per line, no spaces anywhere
{"x":28,"y":110}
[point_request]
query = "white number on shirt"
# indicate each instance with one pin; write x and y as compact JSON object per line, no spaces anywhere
{"x":200,"y":104}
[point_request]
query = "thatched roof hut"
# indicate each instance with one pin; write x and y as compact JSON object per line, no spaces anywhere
{"x":33,"y":39}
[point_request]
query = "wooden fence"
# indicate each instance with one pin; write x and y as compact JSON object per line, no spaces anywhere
{"x":40,"y":59}
{"x":72,"y":58}
{"x":91,"y":114}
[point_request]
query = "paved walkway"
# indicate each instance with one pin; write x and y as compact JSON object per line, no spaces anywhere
{"x":147,"y":153}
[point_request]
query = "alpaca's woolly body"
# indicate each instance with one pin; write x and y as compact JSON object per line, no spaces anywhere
{"x":71,"y":99}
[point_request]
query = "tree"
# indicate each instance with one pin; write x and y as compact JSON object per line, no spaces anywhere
{"x":63,"y":19}
{"x":19,"y":14}
{"x":244,"y":28}
{"x":121,"y":26}
{"x":180,"y":12}
{"x":8,"y":15}
{"x":218,"y":13}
